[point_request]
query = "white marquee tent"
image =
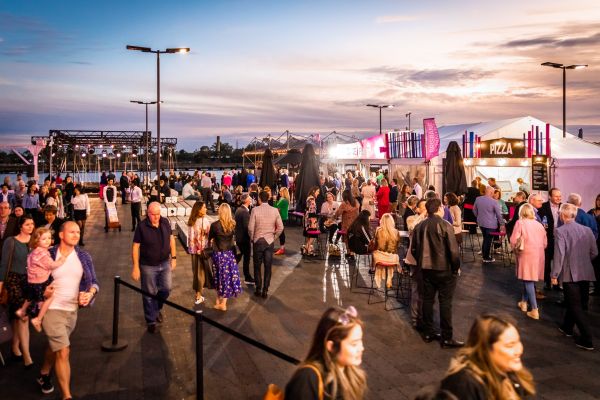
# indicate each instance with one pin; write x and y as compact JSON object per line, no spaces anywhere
{"x":576,"y":161}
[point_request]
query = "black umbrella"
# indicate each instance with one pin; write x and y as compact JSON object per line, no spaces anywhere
{"x":292,"y":157}
{"x":268,"y":177}
{"x":455,"y":179}
{"x":307,"y":178}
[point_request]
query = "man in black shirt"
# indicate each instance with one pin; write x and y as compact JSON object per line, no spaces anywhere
{"x":124,"y":185}
{"x":394,"y":192}
{"x":154,"y":257}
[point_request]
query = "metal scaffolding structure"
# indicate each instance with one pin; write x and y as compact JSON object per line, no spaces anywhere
{"x":136,"y":142}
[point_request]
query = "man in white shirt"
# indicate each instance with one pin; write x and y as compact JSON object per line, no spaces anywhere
{"x":188,"y":192}
{"x":206,"y":184}
{"x":75,"y":286}
{"x":135,"y":198}
{"x":417,"y":190}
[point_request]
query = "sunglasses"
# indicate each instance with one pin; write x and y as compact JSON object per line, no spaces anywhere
{"x":348,"y":314}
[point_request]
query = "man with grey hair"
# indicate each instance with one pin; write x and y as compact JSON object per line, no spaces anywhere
{"x":489,"y":219}
{"x":574,"y":250}
{"x":242,"y":237}
{"x":536,"y":200}
{"x":582,"y":217}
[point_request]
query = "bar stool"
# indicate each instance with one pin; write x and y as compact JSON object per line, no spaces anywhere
{"x":404,"y":286}
{"x":505,"y":253}
{"x":316,"y":235}
{"x":386,"y":289}
{"x":366,"y":261}
{"x":466,"y":227}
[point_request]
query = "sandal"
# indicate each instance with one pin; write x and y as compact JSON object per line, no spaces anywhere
{"x":199,"y":300}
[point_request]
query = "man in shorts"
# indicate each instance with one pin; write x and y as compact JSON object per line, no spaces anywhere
{"x":75,"y":286}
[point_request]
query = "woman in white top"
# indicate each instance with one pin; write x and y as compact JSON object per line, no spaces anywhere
{"x":329,"y":222}
{"x":368,"y":198}
{"x":451,"y":201}
{"x":81,"y":210}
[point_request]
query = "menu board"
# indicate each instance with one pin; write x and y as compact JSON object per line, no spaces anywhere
{"x":539,"y":173}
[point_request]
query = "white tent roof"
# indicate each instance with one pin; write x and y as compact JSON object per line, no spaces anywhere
{"x":570,"y":147}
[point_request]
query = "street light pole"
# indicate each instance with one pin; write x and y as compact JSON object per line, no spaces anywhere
{"x":158,"y":53}
{"x":380,"y":107}
{"x":408,"y":116}
{"x":146,"y":103}
{"x":564,"y":74}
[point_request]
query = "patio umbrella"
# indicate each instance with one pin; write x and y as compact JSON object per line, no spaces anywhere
{"x":455,"y":179}
{"x":307,"y":178}
{"x":268,"y":177}
{"x":292,"y":157}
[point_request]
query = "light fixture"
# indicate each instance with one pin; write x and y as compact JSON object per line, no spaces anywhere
{"x":502,"y":161}
{"x":524,"y":163}
{"x":482,"y":162}
{"x":83,"y":154}
{"x":118,"y":154}
{"x":468,"y":161}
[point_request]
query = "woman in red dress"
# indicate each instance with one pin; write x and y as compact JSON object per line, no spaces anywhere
{"x":383,"y":199}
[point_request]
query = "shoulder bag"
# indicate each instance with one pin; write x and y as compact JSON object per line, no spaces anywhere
{"x":4,"y":293}
{"x":275,"y":393}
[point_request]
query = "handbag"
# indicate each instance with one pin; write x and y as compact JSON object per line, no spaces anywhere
{"x":4,"y":292}
{"x":275,"y":393}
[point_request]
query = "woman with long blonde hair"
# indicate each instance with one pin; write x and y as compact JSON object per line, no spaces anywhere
{"x":387,"y":238}
{"x":227,"y":275}
{"x":489,"y":366}
{"x":332,"y":369}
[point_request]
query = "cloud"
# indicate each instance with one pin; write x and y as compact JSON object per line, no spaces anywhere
{"x":80,"y":62}
{"x":390,"y":19}
{"x":433,"y":77}
{"x":555,"y":41}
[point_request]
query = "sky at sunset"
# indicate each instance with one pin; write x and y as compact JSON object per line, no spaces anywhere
{"x":259,"y":67}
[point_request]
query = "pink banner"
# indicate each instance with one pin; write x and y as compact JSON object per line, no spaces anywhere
{"x":432,"y":138}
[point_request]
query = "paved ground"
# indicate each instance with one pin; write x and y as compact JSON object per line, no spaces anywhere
{"x":398,"y":363}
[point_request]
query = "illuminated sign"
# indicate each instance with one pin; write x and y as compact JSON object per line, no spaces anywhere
{"x":502,"y":148}
{"x":373,"y":148}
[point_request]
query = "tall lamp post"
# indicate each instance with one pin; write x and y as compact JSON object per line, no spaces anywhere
{"x":564,"y":74}
{"x":407,"y":115}
{"x":146,"y":103}
{"x":380,"y":106}
{"x":158,"y":53}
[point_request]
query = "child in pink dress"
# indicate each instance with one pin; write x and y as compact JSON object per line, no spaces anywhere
{"x":39,"y":267}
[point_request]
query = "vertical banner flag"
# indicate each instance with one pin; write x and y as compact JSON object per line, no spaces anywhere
{"x":432,"y":138}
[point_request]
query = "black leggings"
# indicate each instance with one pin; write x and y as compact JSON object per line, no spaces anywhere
{"x":282,"y":238}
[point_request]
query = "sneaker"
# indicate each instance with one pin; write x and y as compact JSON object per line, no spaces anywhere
{"x":199,"y":300}
{"x":522,"y":305}
{"x":45,"y":384}
{"x":249,"y":281}
{"x":491,"y":260}
{"x":567,"y":334}
{"x":585,"y":346}
{"x":280,"y":252}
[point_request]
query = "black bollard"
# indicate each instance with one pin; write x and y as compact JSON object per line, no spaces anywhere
{"x":114,"y":344}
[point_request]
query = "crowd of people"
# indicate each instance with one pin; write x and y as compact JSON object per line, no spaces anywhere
{"x":555,"y":243}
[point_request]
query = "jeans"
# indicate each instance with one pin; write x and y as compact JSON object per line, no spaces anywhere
{"x":529,"y":293}
{"x":136,"y":210}
{"x":416,"y":295}
{"x":575,"y":299}
{"x":156,"y":279}
{"x":263,"y":252}
{"x":486,"y":247}
{"x":208,"y":198}
{"x":245,"y":254}
{"x":443,"y":283}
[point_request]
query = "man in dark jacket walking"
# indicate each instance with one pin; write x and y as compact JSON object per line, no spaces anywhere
{"x":436,"y":252}
{"x":242,"y":237}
